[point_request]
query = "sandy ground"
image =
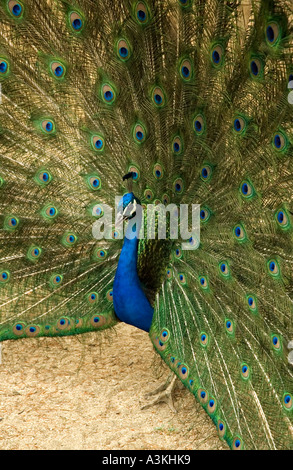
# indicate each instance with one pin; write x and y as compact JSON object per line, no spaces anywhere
{"x":76,"y":393}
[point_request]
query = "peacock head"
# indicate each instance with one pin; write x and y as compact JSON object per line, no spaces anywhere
{"x":127,"y":207}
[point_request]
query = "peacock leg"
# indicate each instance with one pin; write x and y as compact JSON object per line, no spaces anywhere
{"x":164,"y":394}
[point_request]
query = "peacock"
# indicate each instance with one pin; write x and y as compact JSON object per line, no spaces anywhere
{"x":157,"y":103}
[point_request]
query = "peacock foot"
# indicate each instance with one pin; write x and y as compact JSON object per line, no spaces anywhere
{"x":164,"y":394}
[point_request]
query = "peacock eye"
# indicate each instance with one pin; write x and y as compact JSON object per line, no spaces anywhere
{"x":34,"y":253}
{"x":276,"y":342}
{"x":11,"y":223}
{"x":149,"y":194}
{"x":76,"y":21}
{"x":123,"y":50}
{"x":245,"y":371}
{"x":212,"y":405}
{"x":251,"y":302}
{"x":229,"y":326}
{"x":273,"y":33}
{"x":15,"y":8}
{"x":58,"y":69}
{"x":93,"y":297}
{"x":178,"y":185}
{"x":206,"y":173}
{"x":110,"y":296}
{"x":273,"y":267}
{"x":239,"y":233}
{"x":108,"y":93}
{"x":280,"y":142}
{"x":239,"y":125}
{"x":141,"y":13}
{"x":98,"y":143}
{"x":221,"y":429}
{"x":135,"y":172}
{"x":199,"y":124}
{"x":282,"y":219}
{"x":246,"y":189}
{"x":182,"y":278}
{"x":56,"y":280}
{"x":50,"y":212}
{"x":158,"y":171}
{"x":203,"y":282}
{"x":237,"y":444}
{"x":4,"y":67}
{"x":177,"y":145}
{"x":217,"y":55}
{"x":4,"y":276}
{"x":165,"y":199}
{"x":205,"y":214}
{"x":287,"y":401}
{"x":204,"y":339}
{"x":202,"y":396}
{"x":48,"y":126}
{"x":94,"y":183}
{"x":256,"y":68}
{"x":139,"y":133}
{"x":186,"y":70}
{"x":158,"y":97}
{"x":224,"y":269}
{"x":69,"y":239}
{"x":100,"y":254}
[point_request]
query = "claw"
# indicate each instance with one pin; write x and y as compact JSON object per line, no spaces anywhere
{"x":164,"y":393}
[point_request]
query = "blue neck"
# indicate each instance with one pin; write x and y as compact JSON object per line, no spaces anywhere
{"x":130,"y":303}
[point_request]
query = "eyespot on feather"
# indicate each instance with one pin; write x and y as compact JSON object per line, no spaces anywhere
{"x":97,"y":321}
{"x":4,"y":277}
{"x":109,"y":295}
{"x":158,"y":97}
{"x":136,"y":172}
{"x":212,"y":405}
{"x":94,"y":183}
{"x":98,"y":143}
{"x":92,"y":297}
{"x":206,"y":173}
{"x":177,"y":146}
{"x":221,"y":429}
{"x":178,"y":186}
{"x":229,"y":325}
{"x":100,"y":254}
{"x":237,"y":443}
{"x":217,"y":55}
{"x":76,"y":22}
{"x":56,"y":280}
{"x":15,"y":8}
{"x":123,"y":50}
{"x":63,"y":323}
{"x":11,"y":223}
{"x":34,"y":253}
{"x":158,"y":171}
{"x":183,"y":371}
{"x":287,"y":401}
{"x":202,"y":396}
{"x":19,"y":329}
{"x":108,"y":93}
{"x":186,"y":70}
{"x":139,"y":133}
{"x":4,"y":68}
{"x":141,"y":13}
{"x":32,"y":330}
{"x":48,"y":126}
{"x":148,"y":194}
{"x":49,"y":212}
{"x":58,"y":70}
{"x":273,"y":33}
